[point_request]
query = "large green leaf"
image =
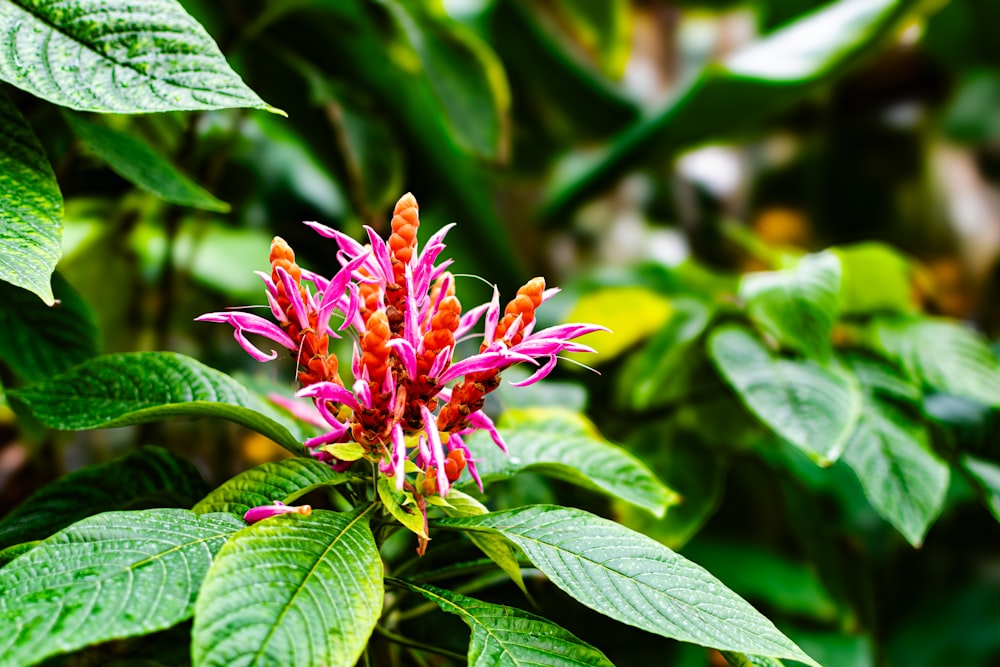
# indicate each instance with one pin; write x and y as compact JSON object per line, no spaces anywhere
{"x":291,"y":590}
{"x":114,"y":575}
{"x":38,"y":341}
{"x":759,"y":81}
{"x":136,"y":162}
{"x":945,"y":356}
{"x":31,"y":205}
{"x":890,"y":452}
{"x":284,"y":481}
{"x":813,"y":407}
{"x":505,"y":636}
{"x":876,"y":278}
{"x":140,"y":387}
{"x":144,"y":477}
{"x":634,"y":579}
{"x":563,"y":444}
{"x":119,"y":56}
{"x":797,"y":306}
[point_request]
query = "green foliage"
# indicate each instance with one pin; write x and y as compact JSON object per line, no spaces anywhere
{"x":38,"y":341}
{"x":113,"y":575}
{"x":814,"y":407}
{"x":633,"y":579}
{"x":124,"y":389}
{"x":506,"y":636}
{"x":562,"y":444}
{"x":326,"y":583}
{"x":124,"y":65}
{"x":30,"y":206}
{"x":150,"y":476}
{"x":284,"y":481}
{"x":136,"y":162}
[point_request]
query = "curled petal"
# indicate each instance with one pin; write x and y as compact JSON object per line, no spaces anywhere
{"x":346,"y":243}
{"x":480,"y":420}
{"x":250,"y":323}
{"x":538,"y":374}
{"x":330,"y":391}
{"x":325,"y":439}
{"x":255,"y":514}
{"x":469,"y":320}
{"x":569,"y":330}
{"x":407,"y":354}
{"x":496,"y":359}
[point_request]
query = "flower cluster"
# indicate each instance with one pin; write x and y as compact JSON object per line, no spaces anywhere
{"x":410,"y":404}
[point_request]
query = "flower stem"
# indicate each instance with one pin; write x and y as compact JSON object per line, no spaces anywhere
{"x":413,"y":643}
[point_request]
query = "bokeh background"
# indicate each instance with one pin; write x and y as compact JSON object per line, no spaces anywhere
{"x":638,"y":154}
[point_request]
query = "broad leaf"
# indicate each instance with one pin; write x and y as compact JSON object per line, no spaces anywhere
{"x":634,"y":579}
{"x":12,"y":552}
{"x":813,"y":407}
{"x":118,"y":56}
{"x":140,"y":387}
{"x":943,"y":355}
{"x":563,"y":444}
{"x":136,"y":162}
{"x":31,"y":205}
{"x":291,"y":590}
{"x":890,"y":452}
{"x":146,"y":477}
{"x":498,"y":549}
{"x":797,"y":306}
{"x":744,"y":660}
{"x":284,"y":481}
{"x":987,"y":476}
{"x":38,"y":341}
{"x":759,"y":81}
{"x":114,"y":575}
{"x":505,"y":636}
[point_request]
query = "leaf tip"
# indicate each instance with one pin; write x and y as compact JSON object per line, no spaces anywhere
{"x":275,"y":110}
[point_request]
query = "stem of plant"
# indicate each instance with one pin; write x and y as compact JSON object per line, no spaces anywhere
{"x":412,"y":643}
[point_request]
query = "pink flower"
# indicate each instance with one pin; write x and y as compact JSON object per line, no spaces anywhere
{"x":411,"y":403}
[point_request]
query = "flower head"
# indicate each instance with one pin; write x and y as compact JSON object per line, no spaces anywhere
{"x":410,"y":402}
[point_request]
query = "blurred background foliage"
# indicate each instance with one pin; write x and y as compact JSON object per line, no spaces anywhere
{"x":643,"y":155}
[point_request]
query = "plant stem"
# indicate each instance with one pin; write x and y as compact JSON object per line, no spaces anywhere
{"x":413,"y":643}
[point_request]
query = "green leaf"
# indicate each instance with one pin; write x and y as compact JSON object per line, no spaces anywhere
{"x":601,"y":29}
{"x":498,"y":549}
{"x":563,"y":444}
{"x":38,"y":341}
{"x":291,"y":590}
{"x":811,"y":406}
{"x":144,"y":477}
{"x":136,"y":162}
{"x":744,"y":660}
{"x":141,"y":387}
{"x":395,"y":503}
{"x":797,"y":306}
{"x":902,"y":477}
{"x":942,"y":355}
{"x":114,"y":575}
{"x":987,"y":476}
{"x":31,"y":204}
{"x":285,"y":481}
{"x":13,"y":551}
{"x":760,"y":80}
{"x":117,"y":56}
{"x":467,"y":78}
{"x":634,"y":579}
{"x":876,"y":278}
{"x":505,"y":636}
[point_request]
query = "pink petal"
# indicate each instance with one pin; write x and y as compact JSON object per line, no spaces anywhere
{"x":539,"y":374}
{"x":301,"y":410}
{"x":255,"y":514}
{"x":381,"y":252}
{"x":330,"y":391}
{"x":406,"y":354}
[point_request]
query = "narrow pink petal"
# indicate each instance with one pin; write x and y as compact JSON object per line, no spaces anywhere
{"x":255,"y":514}
{"x":330,"y":391}
{"x":492,"y":317}
{"x":441,"y":362}
{"x":363,"y":393}
{"x":469,"y":320}
{"x":325,"y":439}
{"x":549,"y":293}
{"x":255,"y":324}
{"x":399,"y":456}
{"x":346,"y":243}
{"x":406,"y":354}
{"x":437,"y":449}
{"x":480,"y":420}
{"x":539,"y":374}
{"x":292,"y":294}
{"x":381,"y":252}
